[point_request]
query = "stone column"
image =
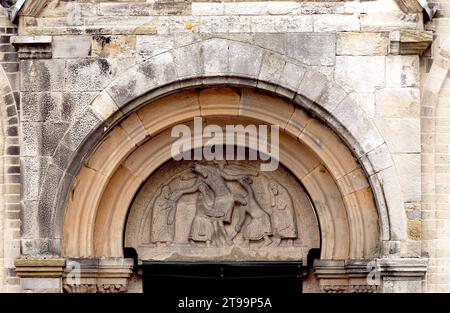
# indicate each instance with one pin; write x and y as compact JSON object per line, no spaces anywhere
{"x":40,"y":275}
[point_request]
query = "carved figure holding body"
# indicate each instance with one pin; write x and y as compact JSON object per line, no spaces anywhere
{"x":259,"y":226}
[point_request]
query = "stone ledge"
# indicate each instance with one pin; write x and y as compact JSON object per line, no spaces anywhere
{"x":39,"y":267}
{"x":97,"y":275}
{"x":33,"y":47}
{"x":409,"y":42}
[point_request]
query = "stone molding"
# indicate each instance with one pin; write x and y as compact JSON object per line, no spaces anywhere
{"x":409,"y":42}
{"x":33,"y":47}
{"x":35,"y":7}
{"x":97,"y":275}
{"x":39,"y":267}
{"x":370,"y":276}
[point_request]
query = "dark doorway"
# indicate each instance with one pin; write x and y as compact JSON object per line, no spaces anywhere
{"x":222,"y":279}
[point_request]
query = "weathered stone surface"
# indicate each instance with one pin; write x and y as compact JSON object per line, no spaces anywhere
{"x":398,"y":102}
{"x":312,"y":49}
{"x":71,"y":46}
{"x":214,"y":56}
{"x":41,"y":106}
{"x":330,"y":23}
{"x":313,"y":85}
{"x":401,"y":135}
{"x":402,"y":71}
{"x":104,"y":106}
{"x":360,"y":73}
{"x":366,"y":101}
{"x":408,"y":168}
{"x":245,"y":60}
{"x":355,"y":43}
{"x":108,"y":46}
{"x":42,"y":75}
{"x":74,"y":104}
{"x":153,"y":45}
{"x":272,"y":67}
{"x":78,"y":131}
{"x":88,"y":74}
{"x":362,"y":128}
{"x":157,"y":71}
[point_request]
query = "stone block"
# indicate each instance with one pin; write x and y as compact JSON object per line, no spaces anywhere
{"x":361,"y":127}
{"x":187,"y":61}
{"x":88,"y":74}
{"x":398,"y":102}
{"x":42,"y":75}
{"x":214,"y":56}
{"x":336,"y":23}
{"x":409,"y":173}
{"x":31,"y":138}
{"x":157,"y":71}
{"x":153,"y":45}
{"x":80,"y":129}
{"x":291,"y":76}
{"x":350,"y":43}
{"x":74,"y":104}
{"x":402,"y":71}
{"x":272,"y":67}
{"x":245,"y":60}
{"x":51,"y":136}
{"x":313,"y":85}
{"x":275,"y":42}
{"x":360,"y":73}
{"x":71,"y":46}
{"x":366,"y":101}
{"x":110,"y":46}
{"x":401,"y":135}
{"x":104,"y":106}
{"x":332,"y":96}
{"x":41,"y":106}
{"x":312,"y":49}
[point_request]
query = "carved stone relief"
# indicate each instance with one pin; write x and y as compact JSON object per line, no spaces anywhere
{"x":222,"y":210}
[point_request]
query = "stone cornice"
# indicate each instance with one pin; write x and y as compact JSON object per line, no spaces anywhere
{"x":39,"y":267}
{"x":34,"y":7}
{"x":409,"y":42}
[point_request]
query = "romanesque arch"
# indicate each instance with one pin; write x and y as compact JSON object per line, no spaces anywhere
{"x":243,"y":65}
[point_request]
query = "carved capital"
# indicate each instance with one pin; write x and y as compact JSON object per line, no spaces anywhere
{"x":409,"y":42}
{"x":97,"y":275}
{"x":33,"y":47}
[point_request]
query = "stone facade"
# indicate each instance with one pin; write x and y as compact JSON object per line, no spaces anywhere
{"x":354,"y":86}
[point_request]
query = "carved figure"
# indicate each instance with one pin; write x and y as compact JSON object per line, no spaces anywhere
{"x":282,"y":214}
{"x":259,"y":226}
{"x":162,"y":230}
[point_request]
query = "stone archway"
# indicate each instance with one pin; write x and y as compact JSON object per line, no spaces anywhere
{"x":348,"y":156}
{"x":109,"y":181}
